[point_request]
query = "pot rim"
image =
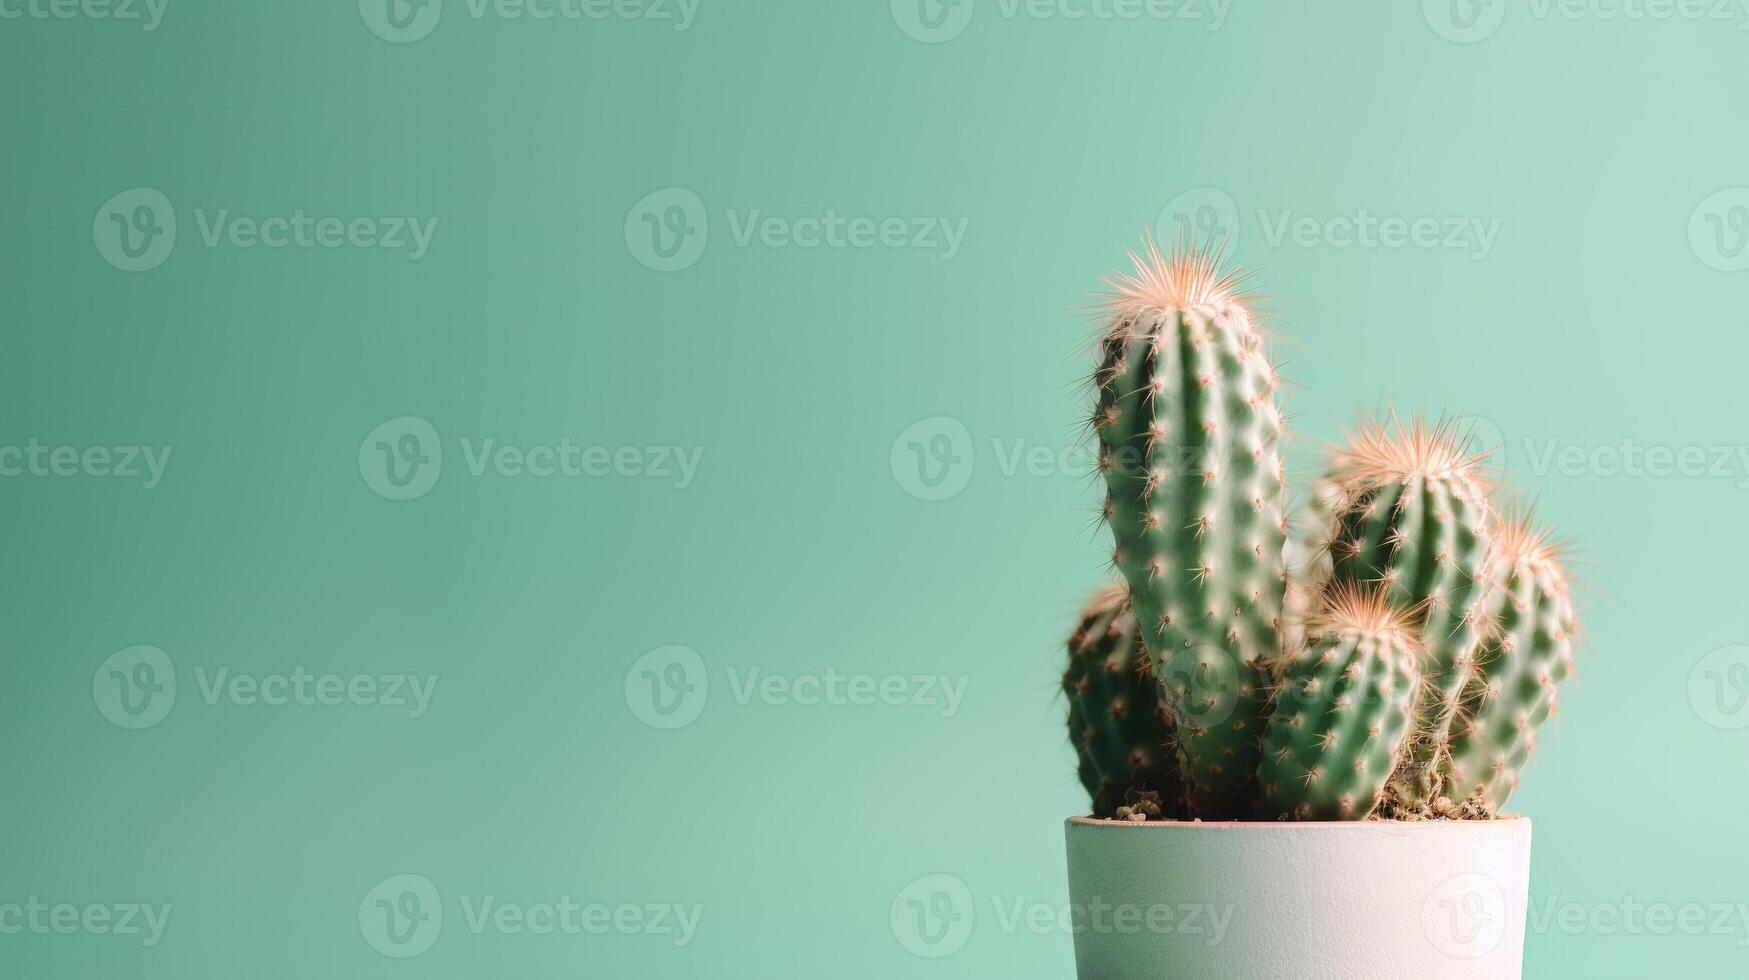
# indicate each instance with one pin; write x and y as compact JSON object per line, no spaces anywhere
{"x":1508,"y":819}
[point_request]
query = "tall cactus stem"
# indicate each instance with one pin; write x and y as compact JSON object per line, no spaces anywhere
{"x":1189,"y":425}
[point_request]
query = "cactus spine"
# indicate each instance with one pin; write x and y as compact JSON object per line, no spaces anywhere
{"x":1343,"y":712}
{"x":1513,"y":690}
{"x":1120,"y":731}
{"x":1412,"y":518}
{"x":1189,"y":428}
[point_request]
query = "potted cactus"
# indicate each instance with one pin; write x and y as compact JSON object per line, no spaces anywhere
{"x":1311,"y":739}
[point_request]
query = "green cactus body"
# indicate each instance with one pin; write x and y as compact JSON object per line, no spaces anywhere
{"x":1120,"y":731}
{"x":1514,"y":688}
{"x":1413,"y":518}
{"x":1343,"y":712}
{"x":1189,"y":426}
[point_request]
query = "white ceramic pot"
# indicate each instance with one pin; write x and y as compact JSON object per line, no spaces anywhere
{"x":1347,"y":901}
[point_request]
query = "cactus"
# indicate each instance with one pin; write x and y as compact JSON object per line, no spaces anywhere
{"x":1411,"y":516}
{"x":1189,"y":425}
{"x":1343,"y":712}
{"x":1513,"y":690}
{"x":1118,"y":727}
{"x":1395,"y":665}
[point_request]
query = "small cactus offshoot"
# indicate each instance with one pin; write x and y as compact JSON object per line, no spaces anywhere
{"x":1343,"y":711}
{"x":1396,"y":664}
{"x":1512,"y":689}
{"x":1120,"y":730}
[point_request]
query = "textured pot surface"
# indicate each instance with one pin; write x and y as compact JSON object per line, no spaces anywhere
{"x":1299,"y":900}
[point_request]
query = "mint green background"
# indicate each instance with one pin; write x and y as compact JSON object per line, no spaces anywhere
{"x":796,"y":549}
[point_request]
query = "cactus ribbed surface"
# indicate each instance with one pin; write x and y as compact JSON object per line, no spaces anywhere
{"x":1413,"y":518}
{"x":1343,"y":712}
{"x":1394,"y":662}
{"x":1513,"y":691}
{"x":1189,"y":426}
{"x":1120,"y":731}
